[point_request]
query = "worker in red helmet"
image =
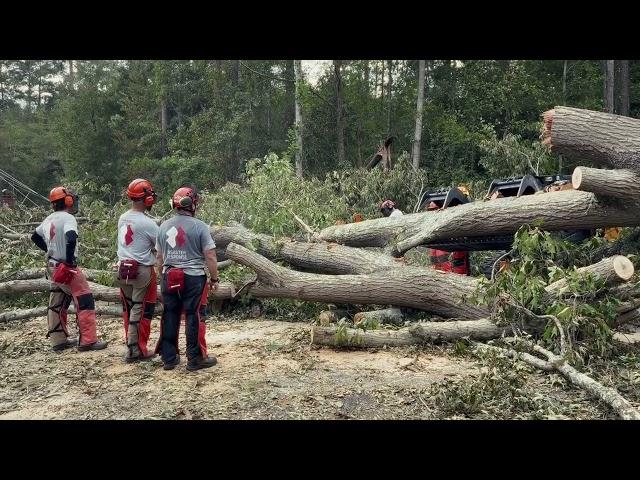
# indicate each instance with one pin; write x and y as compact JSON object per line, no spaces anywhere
{"x":456,"y":262}
{"x":136,"y":275}
{"x":388,"y":209}
{"x":185,"y":246}
{"x":57,"y":235}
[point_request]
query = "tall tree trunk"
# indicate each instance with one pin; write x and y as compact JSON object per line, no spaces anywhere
{"x":71,"y":74}
{"x":609,"y":77}
{"x":366,"y":77}
{"x":564,"y":83}
{"x":297,"y":67}
{"x":420,"y":103}
{"x":290,"y":93}
{"x":337,"y":68}
{"x":622,"y":87}
{"x":164,"y":121}
{"x":235,"y":157}
{"x":389,"y":95}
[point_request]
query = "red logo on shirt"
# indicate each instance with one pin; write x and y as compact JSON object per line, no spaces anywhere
{"x":128,"y":238}
{"x":181,"y":237}
{"x":52,"y":231}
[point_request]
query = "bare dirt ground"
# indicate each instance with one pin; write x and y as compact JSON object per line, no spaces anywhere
{"x":266,"y":370}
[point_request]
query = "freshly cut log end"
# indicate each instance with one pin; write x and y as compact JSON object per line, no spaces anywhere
{"x":620,"y":183}
{"x":623,"y":267}
{"x":614,"y":270}
{"x":546,"y":127}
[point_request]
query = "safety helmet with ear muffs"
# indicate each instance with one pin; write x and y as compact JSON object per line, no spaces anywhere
{"x":185,"y":198}
{"x":141,"y":189}
{"x":71,"y":199}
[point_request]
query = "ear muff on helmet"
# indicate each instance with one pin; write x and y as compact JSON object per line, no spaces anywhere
{"x":150,"y":199}
{"x":69,"y":200}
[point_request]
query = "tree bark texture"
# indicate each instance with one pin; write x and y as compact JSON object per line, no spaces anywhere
{"x":417,"y":137}
{"x":561,"y":210}
{"x":441,"y":293}
{"x":600,"y":138}
{"x":622,"y":184}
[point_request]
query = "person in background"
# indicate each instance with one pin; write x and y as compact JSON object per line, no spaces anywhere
{"x":388,"y":209}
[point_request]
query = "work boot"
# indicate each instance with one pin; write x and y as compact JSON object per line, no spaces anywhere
{"x":172,"y":365}
{"x":135,"y":355}
{"x":199,"y":362}
{"x":99,"y":345}
{"x":70,"y":342}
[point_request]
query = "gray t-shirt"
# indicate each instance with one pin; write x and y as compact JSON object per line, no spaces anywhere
{"x":137,"y":236}
{"x":53,"y":230}
{"x":183,"y":240}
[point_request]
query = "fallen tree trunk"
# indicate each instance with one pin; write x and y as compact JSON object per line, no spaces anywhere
{"x":622,"y":184}
{"x":32,"y":273}
{"x":562,"y":210}
{"x":106,"y":310}
{"x":614,"y":270}
{"x":100,"y":292}
{"x":420,"y":333}
{"x":601,"y":138}
{"x":317,"y":257}
{"x":426,"y":289}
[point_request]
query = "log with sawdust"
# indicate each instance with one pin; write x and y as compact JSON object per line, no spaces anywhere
{"x":561,"y":210}
{"x":602,"y":139}
{"x":426,"y":289}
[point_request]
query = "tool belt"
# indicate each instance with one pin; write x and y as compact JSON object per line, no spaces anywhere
{"x":63,"y":274}
{"x":175,"y":280}
{"x":128,"y":270}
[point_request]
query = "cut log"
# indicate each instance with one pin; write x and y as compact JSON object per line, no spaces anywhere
{"x":621,"y":184}
{"x":389,"y":315}
{"x":434,"y":332}
{"x":420,"y":333}
{"x":601,"y":138}
{"x":614,"y":270}
{"x":426,"y":289}
{"x":100,"y":292}
{"x":106,"y":310}
{"x":562,"y":210}
{"x":351,"y":337}
{"x":31,"y":273}
{"x":316,"y":257}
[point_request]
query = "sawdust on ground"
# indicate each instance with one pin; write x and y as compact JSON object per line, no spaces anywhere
{"x":267,"y":370}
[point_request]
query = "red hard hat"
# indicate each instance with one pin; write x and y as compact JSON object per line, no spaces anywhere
{"x":139,"y":188}
{"x":185,"y":198}
{"x":57,"y":193}
{"x":432,"y":206}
